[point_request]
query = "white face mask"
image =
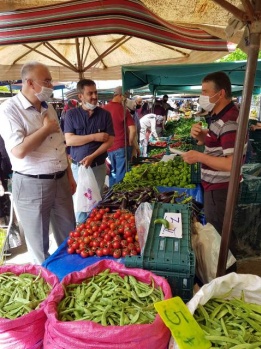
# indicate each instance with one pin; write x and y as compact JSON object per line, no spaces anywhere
{"x":45,"y":94}
{"x":89,"y":106}
{"x":205,"y":103}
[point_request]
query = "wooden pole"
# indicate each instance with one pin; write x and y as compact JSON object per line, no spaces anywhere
{"x":255,"y":35}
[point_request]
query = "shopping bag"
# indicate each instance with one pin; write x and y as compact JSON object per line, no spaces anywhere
{"x":87,"y":193}
{"x":206,"y":245}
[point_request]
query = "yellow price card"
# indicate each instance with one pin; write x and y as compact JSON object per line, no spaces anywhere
{"x":184,"y":328}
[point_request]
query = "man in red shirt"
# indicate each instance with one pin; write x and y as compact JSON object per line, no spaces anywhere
{"x":125,"y":135}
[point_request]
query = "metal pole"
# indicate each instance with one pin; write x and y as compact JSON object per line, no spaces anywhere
{"x":255,"y":30}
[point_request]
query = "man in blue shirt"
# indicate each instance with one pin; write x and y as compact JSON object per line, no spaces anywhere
{"x":89,"y":132}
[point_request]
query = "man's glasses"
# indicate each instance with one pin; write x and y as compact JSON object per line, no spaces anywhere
{"x":46,"y":82}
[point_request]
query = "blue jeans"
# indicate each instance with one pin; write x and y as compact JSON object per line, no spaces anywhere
{"x":118,"y":164}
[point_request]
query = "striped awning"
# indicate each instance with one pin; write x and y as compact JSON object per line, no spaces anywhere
{"x":94,"y":17}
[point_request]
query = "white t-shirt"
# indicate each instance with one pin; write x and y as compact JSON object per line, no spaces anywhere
{"x":18,"y":119}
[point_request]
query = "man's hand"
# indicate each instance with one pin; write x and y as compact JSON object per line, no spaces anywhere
{"x":87,"y":161}
{"x":101,"y":137}
{"x":191,"y":156}
{"x":51,"y":124}
{"x":196,"y":130}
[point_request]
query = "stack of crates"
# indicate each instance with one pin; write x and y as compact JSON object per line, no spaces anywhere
{"x":172,"y":258}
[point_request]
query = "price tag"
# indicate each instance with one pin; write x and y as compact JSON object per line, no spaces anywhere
{"x":184,"y":328}
{"x":175,"y":226}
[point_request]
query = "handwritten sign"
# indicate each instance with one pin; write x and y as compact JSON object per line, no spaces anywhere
{"x":184,"y":328}
{"x":175,"y":226}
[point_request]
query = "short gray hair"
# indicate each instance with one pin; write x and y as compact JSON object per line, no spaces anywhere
{"x":27,"y":68}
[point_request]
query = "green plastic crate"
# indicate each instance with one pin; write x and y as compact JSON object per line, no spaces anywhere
{"x":166,"y":254}
{"x":195,"y":173}
{"x":181,"y":284}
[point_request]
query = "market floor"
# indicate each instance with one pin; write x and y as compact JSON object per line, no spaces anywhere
{"x":20,"y":255}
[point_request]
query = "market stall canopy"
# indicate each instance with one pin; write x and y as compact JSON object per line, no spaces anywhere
{"x":95,"y":38}
{"x":168,"y":77}
{"x":204,"y":14}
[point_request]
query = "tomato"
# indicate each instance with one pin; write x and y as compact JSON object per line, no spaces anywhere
{"x":84,"y":254}
{"x":133,"y":253}
{"x":82,"y":246}
{"x":102,"y":211}
{"x":130,"y":239}
{"x":70,"y":250}
{"x":91,"y":253}
{"x":95,"y":243}
{"x":95,"y":227}
{"x":71,"y":234}
{"x":75,"y":245}
{"x":136,"y":237}
{"x":107,"y":237}
{"x":130,"y":246}
{"x":86,"y":240}
{"x":127,"y":233}
{"x":99,"y":252}
{"x":106,"y":251}
{"x":120,"y":229}
{"x":78,"y":250}
{"x":116,"y":244}
{"x":70,"y":241}
{"x":116,"y":253}
{"x":107,"y":209}
{"x":98,"y":217}
{"x":124,"y":243}
{"x":124,"y":252}
{"x":77,"y":234}
{"x":117,"y":215}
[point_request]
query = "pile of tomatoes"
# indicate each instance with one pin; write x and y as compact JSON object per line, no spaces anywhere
{"x":105,"y":234}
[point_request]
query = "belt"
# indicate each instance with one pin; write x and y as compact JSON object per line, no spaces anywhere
{"x":94,"y":163}
{"x":56,"y":175}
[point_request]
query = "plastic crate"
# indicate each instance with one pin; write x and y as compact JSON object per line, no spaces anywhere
{"x":167,"y":254}
{"x":250,"y":190}
{"x":181,"y":284}
{"x":195,"y":173}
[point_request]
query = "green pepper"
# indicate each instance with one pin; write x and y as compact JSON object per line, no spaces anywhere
{"x":162,"y":221}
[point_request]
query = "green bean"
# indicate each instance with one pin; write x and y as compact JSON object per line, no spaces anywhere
{"x":230,"y":323}
{"x":114,"y":300}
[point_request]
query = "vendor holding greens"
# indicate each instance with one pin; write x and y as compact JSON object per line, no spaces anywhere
{"x":219,"y":140}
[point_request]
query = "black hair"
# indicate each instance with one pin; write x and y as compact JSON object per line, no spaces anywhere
{"x":165,"y":96}
{"x":221,"y":81}
{"x":84,"y":82}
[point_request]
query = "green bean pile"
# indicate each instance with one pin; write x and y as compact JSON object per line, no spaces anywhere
{"x":232,"y":324}
{"x":21,"y":294}
{"x":109,"y":299}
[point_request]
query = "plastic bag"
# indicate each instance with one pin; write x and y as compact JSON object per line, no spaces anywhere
{"x":14,"y":237}
{"x":206,"y":245}
{"x":87,"y":193}
{"x":250,"y":284}
{"x":90,"y":335}
{"x":27,"y":331}
{"x":143,"y":216}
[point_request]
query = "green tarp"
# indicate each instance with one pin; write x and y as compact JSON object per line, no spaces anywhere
{"x":184,"y":77}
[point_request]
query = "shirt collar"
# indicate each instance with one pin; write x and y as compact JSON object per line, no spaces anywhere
{"x":27,"y":104}
{"x":215,"y":117}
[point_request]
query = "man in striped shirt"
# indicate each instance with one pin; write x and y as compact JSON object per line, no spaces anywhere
{"x":219,"y":140}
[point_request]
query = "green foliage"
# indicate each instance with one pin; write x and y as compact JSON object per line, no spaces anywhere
{"x":237,"y":55}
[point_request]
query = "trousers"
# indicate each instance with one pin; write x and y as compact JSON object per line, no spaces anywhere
{"x":39,"y":204}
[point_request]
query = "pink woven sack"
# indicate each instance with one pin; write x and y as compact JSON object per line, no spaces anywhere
{"x":27,"y":331}
{"x":88,"y":334}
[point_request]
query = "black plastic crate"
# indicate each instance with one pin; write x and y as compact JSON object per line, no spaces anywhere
{"x":167,"y":254}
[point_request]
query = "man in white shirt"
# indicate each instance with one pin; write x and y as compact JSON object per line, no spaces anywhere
{"x":147,"y":129}
{"x":42,"y":180}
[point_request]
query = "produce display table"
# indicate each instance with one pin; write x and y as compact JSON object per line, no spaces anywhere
{"x":61,"y":263}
